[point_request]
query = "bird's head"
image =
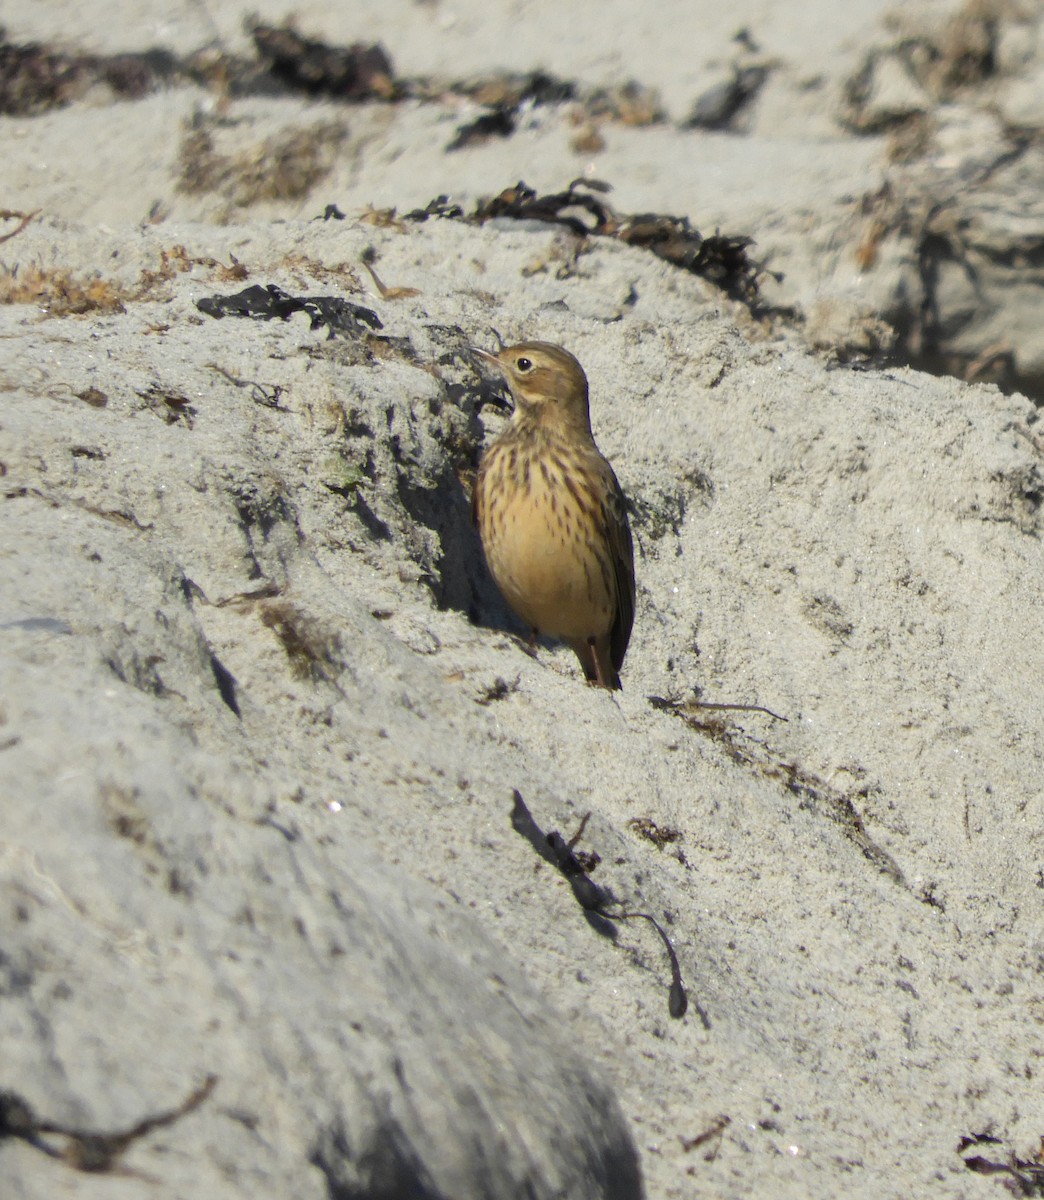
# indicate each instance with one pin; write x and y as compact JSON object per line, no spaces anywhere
{"x":547,"y":383}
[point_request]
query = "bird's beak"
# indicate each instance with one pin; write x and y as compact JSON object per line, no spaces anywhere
{"x":488,"y":395}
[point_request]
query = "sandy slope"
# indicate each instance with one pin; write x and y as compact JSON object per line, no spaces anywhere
{"x":253,"y":673}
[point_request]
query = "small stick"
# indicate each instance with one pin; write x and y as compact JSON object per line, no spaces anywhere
{"x":86,"y":1150}
{"x":671,"y":704}
{"x":7,"y":215}
{"x":735,"y":708}
{"x":716,"y":1128}
{"x":389,"y":293}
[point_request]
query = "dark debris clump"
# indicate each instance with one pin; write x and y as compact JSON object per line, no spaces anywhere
{"x":503,"y":98}
{"x":599,"y":904}
{"x":35,"y":78}
{"x":534,"y":87}
{"x":722,"y":260}
{"x":507,"y":97}
{"x":441,"y":206}
{"x":357,"y":72}
{"x":263,"y":302}
{"x":718,"y":106}
{"x":498,"y":121}
{"x":1023,"y":1176}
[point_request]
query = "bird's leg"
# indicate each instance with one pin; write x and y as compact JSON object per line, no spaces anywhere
{"x":593,"y":653}
{"x":605,"y":674}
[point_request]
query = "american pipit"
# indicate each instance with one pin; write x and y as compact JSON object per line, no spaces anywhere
{"x":551,"y":513}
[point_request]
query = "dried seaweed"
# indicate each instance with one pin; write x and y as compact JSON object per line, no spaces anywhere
{"x":503,"y":98}
{"x":312,"y":649}
{"x":283,"y":166}
{"x":659,"y":835}
{"x":35,"y":78}
{"x":263,"y":302}
{"x":353,"y":73}
{"x":631,"y":104}
{"x":718,"y":107}
{"x":599,"y":904}
{"x":720,"y":259}
{"x":712,"y":1135}
{"x":1025,"y":1176}
{"x":170,"y":406}
{"x":441,"y":206}
{"x":568,"y":208}
{"x":510,"y":91}
{"x":940,"y":63}
{"x":498,"y":121}
{"x":23,"y":219}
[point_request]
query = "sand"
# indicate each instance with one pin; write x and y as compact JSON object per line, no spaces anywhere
{"x":263,"y":715}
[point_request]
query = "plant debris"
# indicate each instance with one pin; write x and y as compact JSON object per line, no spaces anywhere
{"x":34,"y":78}
{"x":93,"y":396}
{"x":353,"y":73}
{"x":712,"y":1133}
{"x":87,"y":1150}
{"x":659,"y":835}
{"x":172,"y":407}
{"x":1025,"y":1174}
{"x":23,"y":219}
{"x":177,"y":261}
{"x":508,"y":97}
{"x":499,"y":689}
{"x":498,"y":121}
{"x":896,"y":86}
{"x":387,"y":293}
{"x":263,"y":302}
{"x":592,"y":897}
{"x":504,"y":98}
{"x":330,"y":213}
{"x":283,"y":166}
{"x":717,"y":108}
{"x":60,"y":292}
{"x":631,"y":104}
{"x":441,"y":206}
{"x":312,"y":649}
{"x":722,"y":260}
{"x":511,"y":91}
{"x":813,"y":793}
{"x":267,"y":395}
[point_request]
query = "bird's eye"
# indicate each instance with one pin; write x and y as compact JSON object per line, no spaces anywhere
{"x":524,"y":364}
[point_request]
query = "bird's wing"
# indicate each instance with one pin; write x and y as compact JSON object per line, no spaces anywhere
{"x":621,"y":552}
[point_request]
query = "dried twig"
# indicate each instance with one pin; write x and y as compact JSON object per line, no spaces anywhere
{"x":87,"y":1150}
{"x":8,"y":214}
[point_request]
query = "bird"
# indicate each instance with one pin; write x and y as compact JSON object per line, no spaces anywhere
{"x":551,"y":514}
